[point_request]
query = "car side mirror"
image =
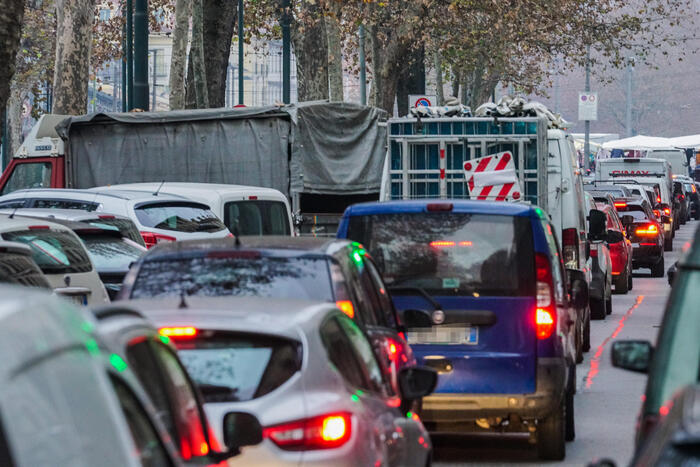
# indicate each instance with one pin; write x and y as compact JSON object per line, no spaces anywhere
{"x":417,"y":382}
{"x":602,"y":463}
{"x":596,"y":224}
{"x":632,"y":355}
{"x":241,"y":429}
{"x":416,"y":318}
{"x":614,"y":236}
{"x":578,"y":290}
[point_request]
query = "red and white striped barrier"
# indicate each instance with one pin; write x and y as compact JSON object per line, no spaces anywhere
{"x":493,"y":177}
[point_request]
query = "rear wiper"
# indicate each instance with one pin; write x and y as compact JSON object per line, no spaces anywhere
{"x":420,"y":292}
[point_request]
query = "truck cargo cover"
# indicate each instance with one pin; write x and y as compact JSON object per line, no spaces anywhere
{"x":313,"y":147}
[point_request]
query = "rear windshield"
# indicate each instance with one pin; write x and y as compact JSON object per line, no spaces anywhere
{"x":257,"y":217}
{"x":55,"y":252}
{"x":297,"y":277}
{"x":20,"y":269}
{"x":633,"y":210}
{"x":232,"y":368}
{"x":179,"y":217}
{"x":125,"y":226}
{"x":111,"y":253}
{"x":450,"y":253}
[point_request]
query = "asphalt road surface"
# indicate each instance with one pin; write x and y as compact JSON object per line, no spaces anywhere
{"x":608,"y":399}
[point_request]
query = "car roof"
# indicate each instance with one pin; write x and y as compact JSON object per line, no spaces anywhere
{"x":77,"y":215}
{"x":70,"y":224}
{"x":90,"y":194}
{"x":272,"y":245}
{"x":9,"y":224}
{"x":200,"y":188}
{"x":459,"y":206}
{"x":269,"y":316}
{"x":34,"y":324}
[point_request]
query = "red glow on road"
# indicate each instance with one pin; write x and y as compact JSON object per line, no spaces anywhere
{"x":595,"y":361}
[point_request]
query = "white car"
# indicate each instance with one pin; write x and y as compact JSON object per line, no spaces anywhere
{"x":160,"y":217}
{"x":60,"y":255}
{"x":250,"y":210}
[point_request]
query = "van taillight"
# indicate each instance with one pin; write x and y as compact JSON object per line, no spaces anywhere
{"x":323,"y":432}
{"x":545,"y":310}
{"x":570,"y":248}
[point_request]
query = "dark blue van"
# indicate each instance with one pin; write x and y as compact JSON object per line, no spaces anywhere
{"x":483,"y":293}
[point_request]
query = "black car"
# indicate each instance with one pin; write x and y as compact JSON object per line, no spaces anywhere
{"x":679,"y":196}
{"x":331,"y":270}
{"x":645,"y":233}
{"x":691,"y":189}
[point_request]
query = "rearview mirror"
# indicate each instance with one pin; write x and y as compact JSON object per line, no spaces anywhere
{"x":416,"y":318}
{"x":614,"y":236}
{"x":241,"y":429}
{"x":417,"y":382}
{"x":632,"y":355}
{"x":596,"y":224}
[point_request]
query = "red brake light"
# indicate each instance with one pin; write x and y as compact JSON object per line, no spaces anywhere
{"x":658,"y":198}
{"x":545,"y":323}
{"x":667,"y":211}
{"x":437,"y":207}
{"x":38,"y":227}
{"x":620,"y":204}
{"x":657,"y":213}
{"x":152,"y":239}
{"x":544,"y":312}
{"x":252,"y":197}
{"x":648,"y":230}
{"x":346,"y":307}
{"x":178,"y":332}
{"x":594,"y":253}
{"x":106,"y":216}
{"x":442,"y":243}
{"x":323,"y":432}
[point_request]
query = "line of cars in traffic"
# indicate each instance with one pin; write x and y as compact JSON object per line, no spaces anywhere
{"x":476,"y":299}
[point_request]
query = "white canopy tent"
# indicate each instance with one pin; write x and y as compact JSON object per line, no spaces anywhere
{"x":690,"y":141}
{"x":640,"y":143}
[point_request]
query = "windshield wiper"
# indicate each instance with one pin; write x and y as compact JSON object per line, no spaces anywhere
{"x":420,"y":292}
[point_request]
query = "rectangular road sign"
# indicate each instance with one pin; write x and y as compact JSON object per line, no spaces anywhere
{"x":588,"y":106}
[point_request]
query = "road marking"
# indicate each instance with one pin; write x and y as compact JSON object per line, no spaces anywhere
{"x":595,"y":361}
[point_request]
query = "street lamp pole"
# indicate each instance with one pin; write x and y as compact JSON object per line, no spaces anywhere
{"x":240,"y":53}
{"x":129,"y":47}
{"x":141,"y":54}
{"x":363,"y":67}
{"x":286,"y":54}
{"x":587,"y":140}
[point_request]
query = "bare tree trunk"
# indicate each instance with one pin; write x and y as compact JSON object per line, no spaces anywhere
{"x":412,"y":80}
{"x":199,"y":75}
{"x":74,"y":19}
{"x":311,"y":52}
{"x":219,"y":19}
{"x":437,"y":63}
{"x":456,"y":80}
{"x":335,"y":57}
{"x":14,"y":118}
{"x":11,"y":15}
{"x":467,"y":87}
{"x":178,"y":60}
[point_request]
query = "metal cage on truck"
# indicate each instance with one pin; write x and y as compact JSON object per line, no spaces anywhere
{"x":426,"y":157}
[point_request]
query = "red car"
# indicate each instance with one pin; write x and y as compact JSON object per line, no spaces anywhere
{"x":620,"y":252}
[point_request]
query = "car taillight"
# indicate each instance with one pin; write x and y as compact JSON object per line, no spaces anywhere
{"x":649,"y":230}
{"x":594,"y":253}
{"x":322,"y":432}
{"x":544,"y":312}
{"x":667,"y":211}
{"x":152,"y":239}
{"x":657,"y":213}
{"x":570,"y":248}
{"x":439,"y":207}
{"x":178,"y":332}
{"x":346,"y":307}
{"x":620,"y":204}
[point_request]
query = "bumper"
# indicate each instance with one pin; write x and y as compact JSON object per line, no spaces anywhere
{"x":646,"y":255}
{"x":451,"y":408}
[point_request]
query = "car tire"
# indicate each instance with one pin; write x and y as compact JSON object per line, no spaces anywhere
{"x":587,"y":336}
{"x":608,"y":306}
{"x":551,"y":434}
{"x":570,"y":420}
{"x":579,"y":342}
{"x":597,"y":308}
{"x":668,"y":244}
{"x":630,"y":280}
{"x":622,"y":283}
{"x":657,"y":270}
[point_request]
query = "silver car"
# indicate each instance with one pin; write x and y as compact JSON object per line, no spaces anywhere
{"x":305,"y":370}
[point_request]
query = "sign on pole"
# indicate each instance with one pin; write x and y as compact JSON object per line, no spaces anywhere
{"x":416,"y":100}
{"x":588,"y":106}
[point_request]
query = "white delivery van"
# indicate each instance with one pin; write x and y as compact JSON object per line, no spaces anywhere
{"x":250,"y":210}
{"x":675,"y":157}
{"x":641,"y":169}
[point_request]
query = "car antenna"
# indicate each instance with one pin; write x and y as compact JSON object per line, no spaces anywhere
{"x":183,"y":302}
{"x":158,"y":190}
{"x":12,"y":216}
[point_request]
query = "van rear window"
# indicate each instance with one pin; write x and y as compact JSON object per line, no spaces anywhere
{"x":450,"y":253}
{"x":257,"y":217}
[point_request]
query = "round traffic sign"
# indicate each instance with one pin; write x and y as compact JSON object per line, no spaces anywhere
{"x":424,"y":101}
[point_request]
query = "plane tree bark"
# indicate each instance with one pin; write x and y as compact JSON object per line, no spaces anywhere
{"x":11,"y":14}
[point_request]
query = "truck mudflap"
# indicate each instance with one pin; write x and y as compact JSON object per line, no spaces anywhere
{"x":552,"y":375}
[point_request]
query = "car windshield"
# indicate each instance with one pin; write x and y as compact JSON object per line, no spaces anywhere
{"x":28,"y":175}
{"x":179,"y":217}
{"x":257,"y":217}
{"x":233,"y":368}
{"x":633,"y":210}
{"x":55,"y":252}
{"x":17,"y":268}
{"x":450,"y":253}
{"x":112,"y":253}
{"x":297,"y":277}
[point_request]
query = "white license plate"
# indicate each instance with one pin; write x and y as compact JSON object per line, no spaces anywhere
{"x":80,"y":300}
{"x":444,"y":335}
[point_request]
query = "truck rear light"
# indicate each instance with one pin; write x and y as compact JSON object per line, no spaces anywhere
{"x":322,"y":432}
{"x":152,"y":239}
{"x":544,"y":312}
{"x":439,"y":207}
{"x":570,"y":248}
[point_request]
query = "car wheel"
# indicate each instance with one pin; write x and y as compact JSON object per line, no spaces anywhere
{"x":657,"y":270}
{"x":630,"y":280}
{"x":597,"y":308}
{"x":587,"y":335}
{"x":622,"y":283}
{"x":668,"y":244}
{"x":551,"y":434}
{"x":579,"y":342}
{"x":570,"y":422}
{"x":608,"y":306}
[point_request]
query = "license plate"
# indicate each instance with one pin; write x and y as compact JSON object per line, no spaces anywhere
{"x":444,"y":335}
{"x":80,"y":300}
